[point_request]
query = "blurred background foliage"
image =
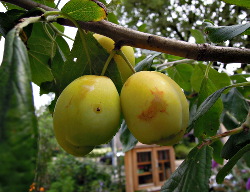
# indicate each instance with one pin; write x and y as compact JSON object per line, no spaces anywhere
{"x":177,"y":18}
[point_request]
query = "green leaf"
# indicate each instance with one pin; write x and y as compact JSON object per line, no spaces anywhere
{"x":193,"y":174}
{"x":219,"y":79}
{"x":85,"y":60}
{"x":41,"y":50}
{"x":146,"y":63}
{"x":181,"y":74}
{"x":85,"y":10}
{"x":208,"y":123}
{"x":217,"y":147}
{"x":8,"y":20}
{"x":240,"y":78}
{"x":247,"y":158}
{"x":10,"y":6}
{"x":224,"y":33}
{"x":198,"y":35}
{"x":205,"y":106}
{"x":242,"y":3}
{"x":18,"y":126}
{"x":234,"y":144}
{"x":230,"y":164}
{"x":235,"y":105}
{"x":127,"y":139}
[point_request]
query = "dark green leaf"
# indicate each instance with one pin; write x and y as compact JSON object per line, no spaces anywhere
{"x":193,"y":174}
{"x":41,"y":50}
{"x":198,"y":35}
{"x":146,"y":63}
{"x":240,"y":78}
{"x":181,"y":74}
{"x":85,"y":10}
{"x":235,"y":105}
{"x":18,"y":126}
{"x":247,"y":158}
{"x":210,"y":121}
{"x":8,"y":20}
{"x":242,"y":3}
{"x":234,"y":144}
{"x":230,"y":164}
{"x":224,"y":33}
{"x":127,"y":139}
{"x":217,"y":146}
{"x":205,"y":106}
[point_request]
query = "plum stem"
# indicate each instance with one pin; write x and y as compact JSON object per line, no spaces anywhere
{"x":126,"y":60}
{"x":111,"y":55}
{"x":244,"y":127}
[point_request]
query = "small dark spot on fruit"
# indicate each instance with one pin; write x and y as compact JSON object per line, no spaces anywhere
{"x":98,"y":109}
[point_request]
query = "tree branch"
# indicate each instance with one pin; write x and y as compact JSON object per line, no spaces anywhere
{"x":125,"y":36}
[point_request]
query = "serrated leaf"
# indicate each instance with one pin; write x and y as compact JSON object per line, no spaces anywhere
{"x":18,"y":126}
{"x":181,"y":74}
{"x":198,"y":35}
{"x":208,"y":123}
{"x":224,"y":171}
{"x":224,"y":33}
{"x":127,"y":139}
{"x":219,"y":79}
{"x":242,"y":3}
{"x":193,"y":174}
{"x":85,"y":10}
{"x":146,"y":63}
{"x":234,"y":144}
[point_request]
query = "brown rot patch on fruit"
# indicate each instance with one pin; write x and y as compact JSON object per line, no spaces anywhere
{"x":157,"y":105}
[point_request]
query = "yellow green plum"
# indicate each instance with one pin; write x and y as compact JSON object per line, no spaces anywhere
{"x":87,"y":113}
{"x":155,"y":108}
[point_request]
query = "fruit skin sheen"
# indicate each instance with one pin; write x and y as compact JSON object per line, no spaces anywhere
{"x":109,"y":45}
{"x":155,"y":108}
{"x":87,"y":113}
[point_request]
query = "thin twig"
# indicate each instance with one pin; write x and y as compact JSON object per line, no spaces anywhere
{"x":244,"y":127}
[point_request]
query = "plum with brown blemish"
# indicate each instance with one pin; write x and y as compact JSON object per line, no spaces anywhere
{"x":155,"y":108}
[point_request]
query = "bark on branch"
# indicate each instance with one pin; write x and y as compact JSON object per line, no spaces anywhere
{"x":125,"y":36}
